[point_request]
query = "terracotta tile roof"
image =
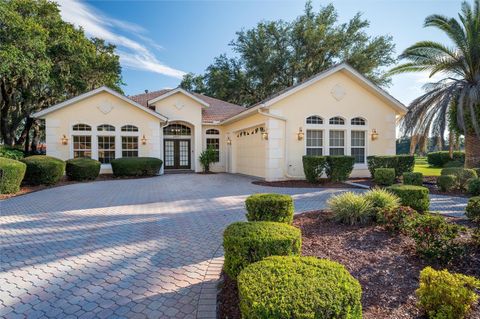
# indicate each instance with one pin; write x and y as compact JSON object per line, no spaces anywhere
{"x":217,"y":111}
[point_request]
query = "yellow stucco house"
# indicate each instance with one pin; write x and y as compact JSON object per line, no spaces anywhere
{"x":336,"y":112}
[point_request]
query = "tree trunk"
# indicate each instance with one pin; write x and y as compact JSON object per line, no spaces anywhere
{"x":413,"y":144}
{"x":450,"y":144}
{"x":472,"y":150}
{"x":35,"y":138}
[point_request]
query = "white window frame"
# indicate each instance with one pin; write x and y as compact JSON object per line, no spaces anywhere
{"x":79,"y":149}
{"x":322,"y":147}
{"x":217,"y":137}
{"x":345,"y":137}
{"x":365,"y":134}
{"x":132,"y":149}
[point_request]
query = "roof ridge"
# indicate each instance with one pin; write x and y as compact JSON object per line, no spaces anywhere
{"x":149,"y":92}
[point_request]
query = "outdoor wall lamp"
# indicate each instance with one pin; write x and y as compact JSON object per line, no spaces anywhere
{"x":229,"y":141}
{"x":64,"y":139}
{"x":264,"y":135}
{"x":374,"y":134}
{"x":300,"y":134}
{"x":144,"y":140}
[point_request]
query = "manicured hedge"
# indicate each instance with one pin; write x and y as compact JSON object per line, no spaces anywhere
{"x":413,"y":178}
{"x":439,"y":159}
{"x":384,"y":176}
{"x":270,"y":207}
{"x":43,"y":170}
{"x":413,"y":196}
{"x":11,"y":153}
{"x":313,"y":167}
{"x":401,"y":163}
{"x":463,"y":175}
{"x":473,"y":186}
{"x":11,"y":175}
{"x":446,"y":182}
{"x":247,"y":242}
{"x":339,"y":168}
{"x":298,"y":287}
{"x":136,"y":166}
{"x":473,"y":209}
{"x":80,"y":169}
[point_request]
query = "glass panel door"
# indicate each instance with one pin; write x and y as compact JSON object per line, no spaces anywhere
{"x":169,"y":154}
{"x":177,"y":154}
{"x":184,"y":154}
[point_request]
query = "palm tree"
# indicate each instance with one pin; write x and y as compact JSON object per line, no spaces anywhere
{"x":456,"y":97}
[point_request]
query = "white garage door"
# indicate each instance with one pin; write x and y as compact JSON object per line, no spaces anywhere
{"x":250,"y":152}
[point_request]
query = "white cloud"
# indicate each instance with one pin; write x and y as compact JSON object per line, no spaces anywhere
{"x":133,"y":53}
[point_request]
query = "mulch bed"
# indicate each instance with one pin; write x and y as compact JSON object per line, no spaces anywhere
{"x":385,"y":264}
{"x":25,"y":189}
{"x":323,"y":183}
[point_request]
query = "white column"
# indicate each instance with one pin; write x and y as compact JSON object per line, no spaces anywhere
{"x":275,"y":158}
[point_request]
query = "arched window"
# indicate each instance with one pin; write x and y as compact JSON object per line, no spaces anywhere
{"x":129,"y":128}
{"x":357,"y":121}
{"x":213,"y":131}
{"x":337,"y":121}
{"x":82,"y":127}
{"x":106,"y":128}
{"x":176,"y":129}
{"x":314,"y":119}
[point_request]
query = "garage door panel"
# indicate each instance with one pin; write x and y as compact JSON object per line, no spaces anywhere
{"x":250,"y":154}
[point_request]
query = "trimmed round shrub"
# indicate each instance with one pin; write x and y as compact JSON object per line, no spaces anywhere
{"x":413,"y":178}
{"x":313,"y":167}
{"x":395,"y":219}
{"x":339,"y":168}
{"x":136,"y":166}
{"x":446,"y":295}
{"x":473,"y":186}
{"x":405,"y":164}
{"x":451,"y":171}
{"x":43,"y":170}
{"x":11,"y":175}
{"x":247,"y":242}
{"x":446,"y":182}
{"x":299,"y":287}
{"x":81,"y":169}
{"x":384,"y":176}
{"x":270,"y":207}
{"x":462,"y":174}
{"x":439,"y":159}
{"x":473,"y":209}
{"x":413,"y":196}
{"x":381,"y":199}
{"x":351,"y":208}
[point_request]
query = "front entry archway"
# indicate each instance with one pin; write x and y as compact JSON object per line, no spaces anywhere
{"x":177,"y":154}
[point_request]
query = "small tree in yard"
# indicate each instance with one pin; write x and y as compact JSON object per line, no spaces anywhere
{"x":206,"y":158}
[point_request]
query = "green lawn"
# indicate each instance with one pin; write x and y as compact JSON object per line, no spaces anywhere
{"x":423,"y":167}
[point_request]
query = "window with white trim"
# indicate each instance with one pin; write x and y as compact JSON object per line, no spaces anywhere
{"x":314,"y":119}
{"x":82,"y":127}
{"x":315,"y":142}
{"x":82,"y":146}
{"x":176,"y":129}
{"x":357,"y":121}
{"x":358,"y":146}
{"x":129,"y":128}
{"x":129,"y":146}
{"x":214,"y":143}
{"x":337,"y":142}
{"x":106,"y":149}
{"x":337,"y":121}
{"x":212,"y":131}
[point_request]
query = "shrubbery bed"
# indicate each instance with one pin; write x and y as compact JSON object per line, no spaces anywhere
{"x":11,"y":175}
{"x":136,"y":166}
{"x":43,"y":170}
{"x":81,"y":169}
{"x":270,"y":207}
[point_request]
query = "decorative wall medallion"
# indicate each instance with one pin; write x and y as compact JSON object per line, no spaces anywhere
{"x":179,"y":105}
{"x":338,"y":92}
{"x":105,"y":108}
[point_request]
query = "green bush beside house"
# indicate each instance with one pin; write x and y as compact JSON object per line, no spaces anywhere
{"x":339,"y":168}
{"x":313,"y":167}
{"x":81,"y":169}
{"x":136,"y":166}
{"x":43,"y":170}
{"x":401,"y":163}
{"x":413,"y":178}
{"x":439,"y":159}
{"x":384,"y":176}
{"x":11,"y":175}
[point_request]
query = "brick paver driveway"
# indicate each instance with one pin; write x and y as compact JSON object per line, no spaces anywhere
{"x":129,"y":248}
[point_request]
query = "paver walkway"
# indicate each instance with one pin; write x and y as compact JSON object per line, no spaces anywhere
{"x":145,"y":248}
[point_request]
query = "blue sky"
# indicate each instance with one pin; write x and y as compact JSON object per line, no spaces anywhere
{"x":158,"y":41}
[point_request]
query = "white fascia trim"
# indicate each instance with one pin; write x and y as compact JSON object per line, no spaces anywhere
{"x":394,"y":102}
{"x":243,"y":114}
{"x":83,"y":96}
{"x":178,"y":90}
